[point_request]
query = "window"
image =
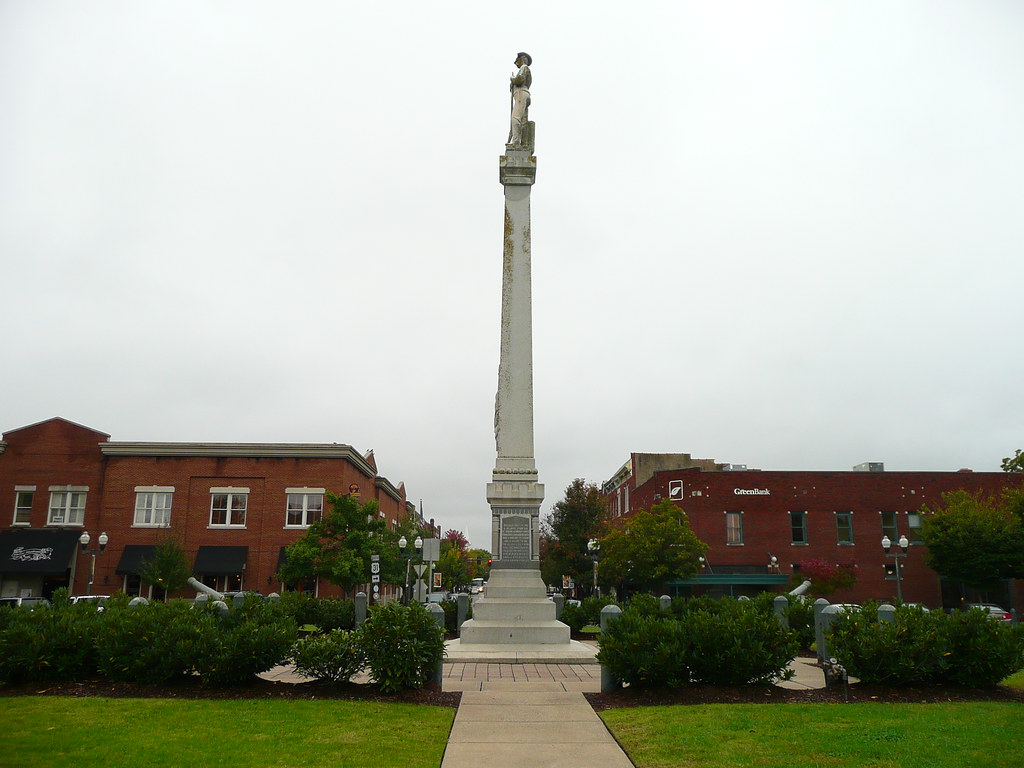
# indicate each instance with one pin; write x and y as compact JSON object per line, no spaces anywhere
{"x":733,"y":527}
{"x":890,"y":527}
{"x":231,"y":582}
{"x":133,"y":587}
{"x":153,"y":506}
{"x":67,"y":504}
{"x":844,"y":527}
{"x":798,"y":527}
{"x":227,"y":506}
{"x":305,"y":506}
{"x":23,"y":497}
{"x":914,"y":528}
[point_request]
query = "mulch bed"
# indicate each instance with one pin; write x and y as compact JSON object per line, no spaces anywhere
{"x":859,"y":693}
{"x":259,"y":689}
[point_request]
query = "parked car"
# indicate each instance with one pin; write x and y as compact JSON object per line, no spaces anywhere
{"x":23,"y":602}
{"x":920,"y":606}
{"x":477,"y":587}
{"x":97,"y":600}
{"x":995,"y":612}
{"x":846,"y":607}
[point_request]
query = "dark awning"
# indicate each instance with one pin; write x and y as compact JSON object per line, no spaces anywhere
{"x":133,"y":557}
{"x":220,"y":561}
{"x":37,"y":551}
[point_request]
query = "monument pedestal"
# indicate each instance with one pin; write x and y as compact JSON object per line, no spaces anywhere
{"x":514,"y":610}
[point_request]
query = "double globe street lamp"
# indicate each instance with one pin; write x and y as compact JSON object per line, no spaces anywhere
{"x":84,"y":540}
{"x":904,"y":542}
{"x":402,"y":544}
{"x":594,"y":547}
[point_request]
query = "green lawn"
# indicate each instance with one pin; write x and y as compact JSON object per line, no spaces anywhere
{"x":1015,"y":681}
{"x":137,"y":733}
{"x":979,"y":735}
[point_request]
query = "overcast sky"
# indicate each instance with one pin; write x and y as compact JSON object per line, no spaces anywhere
{"x":787,"y":234}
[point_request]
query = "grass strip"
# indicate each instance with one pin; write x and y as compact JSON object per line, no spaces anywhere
{"x":979,"y":735}
{"x":172,"y":733}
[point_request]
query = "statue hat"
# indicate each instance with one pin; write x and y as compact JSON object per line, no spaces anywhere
{"x":524,"y":55}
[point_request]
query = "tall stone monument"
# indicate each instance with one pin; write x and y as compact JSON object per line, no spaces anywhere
{"x":515,"y":608}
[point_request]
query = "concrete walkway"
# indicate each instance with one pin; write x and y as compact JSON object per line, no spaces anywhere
{"x":532,"y":715}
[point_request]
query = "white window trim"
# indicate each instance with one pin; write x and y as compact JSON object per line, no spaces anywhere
{"x":18,"y":489}
{"x":83,"y":489}
{"x":151,"y":489}
{"x":302,"y":492}
{"x":229,"y":491}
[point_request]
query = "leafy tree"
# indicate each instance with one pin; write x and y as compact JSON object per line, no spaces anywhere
{"x":825,"y":577}
{"x":478,"y":562}
{"x":1014,"y":463}
{"x":650,"y":548}
{"x":454,"y":540}
{"x":974,"y":539}
{"x":338,"y":547}
{"x":573,"y":522}
{"x":168,"y":568}
{"x":454,"y":570}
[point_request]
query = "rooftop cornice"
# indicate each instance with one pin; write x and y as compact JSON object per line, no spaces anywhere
{"x":385,"y":485}
{"x":242,"y":450}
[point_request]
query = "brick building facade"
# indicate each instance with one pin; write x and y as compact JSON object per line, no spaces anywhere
{"x":233,"y":506}
{"x":748,"y":517}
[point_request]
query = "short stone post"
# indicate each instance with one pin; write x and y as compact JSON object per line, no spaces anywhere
{"x":781,"y":603}
{"x":238,"y":600}
{"x":665,"y":603}
{"x":201,"y":598}
{"x":559,"y":601}
{"x":222,"y":608}
{"x":461,"y":610}
{"x":360,"y":603}
{"x":609,"y":615}
{"x":819,"y":635}
{"x":437,"y":614}
{"x":886,"y":613}
{"x":828,"y":613}
{"x":135,"y":602}
{"x":273,"y":597}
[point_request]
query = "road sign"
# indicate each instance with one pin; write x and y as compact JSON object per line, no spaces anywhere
{"x":420,"y":568}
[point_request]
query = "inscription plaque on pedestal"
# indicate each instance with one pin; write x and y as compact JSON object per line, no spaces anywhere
{"x":515,"y":538}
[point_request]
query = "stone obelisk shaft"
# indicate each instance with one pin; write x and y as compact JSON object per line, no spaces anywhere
{"x":514,"y":494}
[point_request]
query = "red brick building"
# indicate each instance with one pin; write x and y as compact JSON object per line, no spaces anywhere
{"x":749,"y":517}
{"x":233,"y":506}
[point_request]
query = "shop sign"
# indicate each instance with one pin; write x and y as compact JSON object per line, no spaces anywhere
{"x":751,"y":492}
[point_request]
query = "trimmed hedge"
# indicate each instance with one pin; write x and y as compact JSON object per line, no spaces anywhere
{"x":402,"y":644}
{"x":921,"y":648}
{"x":724,"y":642}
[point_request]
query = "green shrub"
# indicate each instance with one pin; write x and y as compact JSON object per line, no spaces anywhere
{"x":645,"y":604}
{"x":48,"y":643}
{"x":572,"y":615}
{"x":982,"y":652}
{"x":644,"y":650}
{"x":247,"y":641}
{"x":451,"y":615}
{"x":403,"y":646}
{"x":724,"y":643}
{"x":325,"y":613}
{"x":335,"y":656}
{"x":153,"y":643}
{"x":920,"y":648}
{"x":591,"y":607}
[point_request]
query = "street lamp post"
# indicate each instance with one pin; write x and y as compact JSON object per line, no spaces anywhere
{"x":84,"y":540}
{"x":594,"y":546}
{"x":904,"y":542}
{"x":402,"y":543}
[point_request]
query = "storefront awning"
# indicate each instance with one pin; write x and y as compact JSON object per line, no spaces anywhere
{"x":133,"y":557}
{"x":37,"y":551}
{"x":220,"y":561}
